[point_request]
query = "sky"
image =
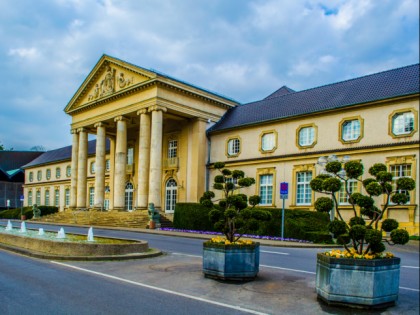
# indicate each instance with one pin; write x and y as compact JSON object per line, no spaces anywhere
{"x":243,"y":49}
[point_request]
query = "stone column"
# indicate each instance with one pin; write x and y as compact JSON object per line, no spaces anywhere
{"x":144,"y":159}
{"x":100,"y":165}
{"x":74,"y":160}
{"x":82,"y":168}
{"x":120,"y":163}
{"x":197,"y":163}
{"x":155,"y":172}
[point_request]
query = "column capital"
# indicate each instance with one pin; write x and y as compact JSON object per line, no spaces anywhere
{"x":81,"y":129}
{"x":120,"y":118}
{"x":157,"y":108}
{"x":100,"y":124}
{"x":74,"y":131}
{"x":142,"y":111}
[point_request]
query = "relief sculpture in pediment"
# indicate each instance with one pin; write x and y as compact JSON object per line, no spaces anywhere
{"x":107,"y":84}
{"x":123,"y":82}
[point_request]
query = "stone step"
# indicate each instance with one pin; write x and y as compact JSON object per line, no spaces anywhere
{"x":137,"y":219}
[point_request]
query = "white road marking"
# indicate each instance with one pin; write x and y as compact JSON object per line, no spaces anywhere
{"x":410,"y":289}
{"x":278,"y":253}
{"x":295,"y":270}
{"x":181,"y":254}
{"x":161,"y":289}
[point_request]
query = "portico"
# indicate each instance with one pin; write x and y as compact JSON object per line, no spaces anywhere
{"x":157,"y":130}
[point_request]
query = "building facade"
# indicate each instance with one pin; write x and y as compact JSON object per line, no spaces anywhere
{"x":164,"y":135}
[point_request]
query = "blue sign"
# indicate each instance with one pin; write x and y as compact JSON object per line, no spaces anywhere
{"x":284,"y":190}
{"x":22,"y":198}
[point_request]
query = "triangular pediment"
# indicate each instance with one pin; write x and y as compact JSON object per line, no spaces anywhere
{"x":110,"y":76}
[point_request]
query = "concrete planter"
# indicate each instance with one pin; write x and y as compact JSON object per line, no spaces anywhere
{"x":231,"y":262}
{"x":358,"y":282}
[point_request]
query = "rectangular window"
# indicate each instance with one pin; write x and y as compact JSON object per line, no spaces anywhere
{"x":107,"y":165}
{"x":106,"y":204}
{"x":266,"y":189}
{"x":47,"y":197}
{"x":398,"y":171}
{"x":130,"y":156}
{"x":30,"y":198}
{"x":343,"y":198}
{"x":91,"y":196}
{"x":57,"y":198}
{"x":303,"y":190}
{"x":67,"y":197}
{"x":38,"y":198}
{"x":172,"y":149}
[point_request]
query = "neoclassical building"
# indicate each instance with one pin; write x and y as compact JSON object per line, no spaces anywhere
{"x":157,"y":138}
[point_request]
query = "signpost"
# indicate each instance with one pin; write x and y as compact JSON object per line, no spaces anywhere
{"x":284,"y":194}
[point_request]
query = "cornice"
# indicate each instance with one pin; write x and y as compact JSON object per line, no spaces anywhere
{"x":314,"y":154}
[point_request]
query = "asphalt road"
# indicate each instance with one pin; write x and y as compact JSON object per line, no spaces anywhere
{"x":173,"y":283}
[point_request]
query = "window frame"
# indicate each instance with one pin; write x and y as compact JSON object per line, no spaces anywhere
{"x":58,"y":172}
{"x":399,"y":112}
{"x":275,"y":139}
{"x":68,"y":171}
{"x":297,"y":169}
{"x":298,"y":136}
{"x":239,"y":146}
{"x":347,"y":120}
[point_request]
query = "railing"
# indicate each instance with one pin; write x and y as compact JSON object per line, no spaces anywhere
{"x":129,"y":169}
{"x":171,"y":163}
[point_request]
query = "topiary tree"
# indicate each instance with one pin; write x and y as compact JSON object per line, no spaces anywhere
{"x":232,"y":215}
{"x":359,"y":236}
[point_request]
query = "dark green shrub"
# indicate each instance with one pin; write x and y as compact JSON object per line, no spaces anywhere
{"x":357,"y":220}
{"x":389,"y":224}
{"x":324,"y":204}
{"x":400,"y":236}
{"x":337,"y":227}
{"x":192,"y":216}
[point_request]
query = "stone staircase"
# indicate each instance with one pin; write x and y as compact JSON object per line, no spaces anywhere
{"x":135,"y":219}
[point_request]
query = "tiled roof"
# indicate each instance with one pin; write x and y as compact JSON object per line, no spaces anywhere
{"x":280,"y":92}
{"x":380,"y":86}
{"x":12,"y":160}
{"x":62,"y":154}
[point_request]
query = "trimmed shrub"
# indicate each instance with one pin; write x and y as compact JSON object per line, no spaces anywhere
{"x":192,"y":216}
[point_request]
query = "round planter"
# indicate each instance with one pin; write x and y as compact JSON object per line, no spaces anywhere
{"x":359,"y":283}
{"x":231,"y":262}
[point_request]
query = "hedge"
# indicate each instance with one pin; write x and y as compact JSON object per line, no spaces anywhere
{"x":299,"y":224}
{"x":27,"y":211}
{"x":192,"y":216}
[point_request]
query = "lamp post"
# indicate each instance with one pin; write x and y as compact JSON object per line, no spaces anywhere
{"x":322,"y":162}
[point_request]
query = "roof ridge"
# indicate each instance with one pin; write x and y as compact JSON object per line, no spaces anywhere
{"x":357,"y":78}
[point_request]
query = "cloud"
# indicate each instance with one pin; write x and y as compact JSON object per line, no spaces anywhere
{"x":244,"y":49}
{"x":23,"y":52}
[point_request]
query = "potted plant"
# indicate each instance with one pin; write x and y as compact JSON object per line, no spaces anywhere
{"x":231,"y":258}
{"x":362,"y":274}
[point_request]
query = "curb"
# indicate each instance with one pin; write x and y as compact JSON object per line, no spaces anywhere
{"x":191,"y":235}
{"x":151,"y":253}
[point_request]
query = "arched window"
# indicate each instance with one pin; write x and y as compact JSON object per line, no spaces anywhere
{"x":171,"y":193}
{"x":129,"y":196}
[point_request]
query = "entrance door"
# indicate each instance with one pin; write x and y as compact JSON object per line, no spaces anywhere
{"x":171,"y":195}
{"x":129,"y":197}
